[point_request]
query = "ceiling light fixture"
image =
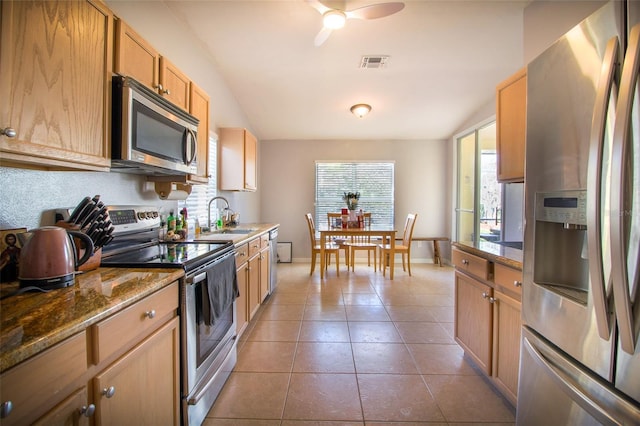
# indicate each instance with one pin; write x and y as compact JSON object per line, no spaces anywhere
{"x":334,"y":19}
{"x":360,"y":110}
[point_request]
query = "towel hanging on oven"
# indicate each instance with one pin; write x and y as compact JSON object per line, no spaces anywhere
{"x":221,"y":289}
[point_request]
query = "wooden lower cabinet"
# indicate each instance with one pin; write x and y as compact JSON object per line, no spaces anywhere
{"x":254,"y":285}
{"x":507,"y":326}
{"x":474,"y":319}
{"x":265,"y":271}
{"x":45,"y":387}
{"x":488,"y":319}
{"x":73,"y":411}
{"x":242,"y":302}
{"x":144,"y":385}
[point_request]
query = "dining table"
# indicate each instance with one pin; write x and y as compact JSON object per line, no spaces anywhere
{"x":386,"y":234}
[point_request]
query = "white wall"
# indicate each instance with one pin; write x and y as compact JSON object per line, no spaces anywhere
{"x":288,"y":185}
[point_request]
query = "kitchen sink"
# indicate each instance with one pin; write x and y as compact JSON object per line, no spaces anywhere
{"x":233,"y":231}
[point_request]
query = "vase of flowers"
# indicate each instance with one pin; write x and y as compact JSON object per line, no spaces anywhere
{"x":351,"y":198}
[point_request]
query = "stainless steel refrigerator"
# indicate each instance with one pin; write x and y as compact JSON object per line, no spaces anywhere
{"x":580,"y":354}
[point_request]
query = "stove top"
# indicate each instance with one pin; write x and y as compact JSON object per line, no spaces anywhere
{"x":169,"y":255}
{"x":136,"y":243}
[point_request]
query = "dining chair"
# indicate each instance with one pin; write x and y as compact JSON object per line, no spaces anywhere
{"x":334,"y":220}
{"x":330,"y":248}
{"x":404,"y":248}
{"x":363,"y":242}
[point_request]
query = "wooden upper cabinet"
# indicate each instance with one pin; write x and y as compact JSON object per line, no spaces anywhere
{"x":55,"y":63}
{"x":511,"y":119}
{"x":199,"y":108}
{"x":174,"y":84}
{"x":238,"y":160}
{"x":136,"y":58}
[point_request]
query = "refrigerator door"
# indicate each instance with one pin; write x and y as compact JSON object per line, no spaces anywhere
{"x":560,"y":301}
{"x":625,"y":220}
{"x":567,"y":393}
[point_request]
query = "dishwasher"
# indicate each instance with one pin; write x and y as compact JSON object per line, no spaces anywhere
{"x":273,"y":247}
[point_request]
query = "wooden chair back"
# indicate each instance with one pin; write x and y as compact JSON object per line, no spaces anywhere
{"x":332,"y":220}
{"x":312,"y":229}
{"x":408,"y":229}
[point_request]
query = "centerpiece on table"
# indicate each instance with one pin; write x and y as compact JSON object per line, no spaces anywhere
{"x":352,"y":198}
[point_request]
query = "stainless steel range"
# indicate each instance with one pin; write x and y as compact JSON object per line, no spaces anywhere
{"x":207,"y":294}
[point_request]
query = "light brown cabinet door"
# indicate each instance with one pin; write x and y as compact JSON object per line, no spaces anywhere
{"x":506,"y":344}
{"x":73,"y":411}
{"x":55,"y":63}
{"x":175,"y":84}
{"x":265,"y":266}
{"x":199,"y":108}
{"x":250,"y":162}
{"x":238,"y":150}
{"x":254,"y":285}
{"x":511,"y":120}
{"x":144,"y":385}
{"x":135,"y":57}
{"x":242,"y":302}
{"x":473,"y":319}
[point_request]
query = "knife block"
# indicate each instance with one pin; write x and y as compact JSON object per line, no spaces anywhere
{"x":94,"y":260}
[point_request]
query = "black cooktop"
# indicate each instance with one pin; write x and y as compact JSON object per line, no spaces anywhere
{"x":168,"y":255}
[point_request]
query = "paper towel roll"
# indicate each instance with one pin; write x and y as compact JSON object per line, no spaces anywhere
{"x":172,"y":191}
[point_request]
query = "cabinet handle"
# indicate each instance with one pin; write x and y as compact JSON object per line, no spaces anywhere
{"x":517,"y":283}
{"x":5,"y":409}
{"x":166,"y":91}
{"x":492,"y":300}
{"x":88,"y":411}
{"x":109,"y":392}
{"x":8,"y":132}
{"x":150,"y":314}
{"x":485,"y":295}
{"x":465,"y":262}
{"x":158,"y":87}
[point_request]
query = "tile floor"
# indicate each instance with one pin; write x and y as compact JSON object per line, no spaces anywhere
{"x":357,"y":349}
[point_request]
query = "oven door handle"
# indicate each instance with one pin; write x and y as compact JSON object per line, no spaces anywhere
{"x":197,"y":278}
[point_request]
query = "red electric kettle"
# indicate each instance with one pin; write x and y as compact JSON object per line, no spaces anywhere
{"x":48,"y":257}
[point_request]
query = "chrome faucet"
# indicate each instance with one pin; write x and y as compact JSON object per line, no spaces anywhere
{"x":209,"y":208}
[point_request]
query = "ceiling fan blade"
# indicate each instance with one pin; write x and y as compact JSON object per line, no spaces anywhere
{"x":322,"y":36}
{"x":318,"y":6}
{"x":375,"y":11}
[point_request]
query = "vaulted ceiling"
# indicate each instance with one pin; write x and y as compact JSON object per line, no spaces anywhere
{"x":444,"y":61}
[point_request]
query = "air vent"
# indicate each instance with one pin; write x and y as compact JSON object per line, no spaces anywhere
{"x":379,"y":61}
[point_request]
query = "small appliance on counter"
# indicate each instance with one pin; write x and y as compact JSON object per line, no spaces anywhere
{"x":48,"y":257}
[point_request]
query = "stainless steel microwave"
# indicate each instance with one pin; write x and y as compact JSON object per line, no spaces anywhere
{"x":150,"y":135}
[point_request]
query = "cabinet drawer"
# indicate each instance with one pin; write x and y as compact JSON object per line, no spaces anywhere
{"x":509,"y":279}
{"x":264,"y":240}
{"x":242,"y":254}
{"x":39,"y":383}
{"x":254,"y":246}
{"x":121,"y":330}
{"x":470,"y":263}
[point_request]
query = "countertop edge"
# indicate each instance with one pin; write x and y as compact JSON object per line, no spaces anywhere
{"x":507,"y":259}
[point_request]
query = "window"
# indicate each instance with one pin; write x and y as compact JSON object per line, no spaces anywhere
{"x":374,"y":181}
{"x":479,"y":195}
{"x":197,"y":202}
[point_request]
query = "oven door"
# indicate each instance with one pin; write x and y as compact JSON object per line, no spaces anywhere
{"x":208,"y":350}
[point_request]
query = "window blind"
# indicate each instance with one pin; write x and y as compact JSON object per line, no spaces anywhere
{"x":373,"y":180}
{"x":197,"y":202}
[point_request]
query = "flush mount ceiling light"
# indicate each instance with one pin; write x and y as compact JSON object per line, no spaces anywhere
{"x":334,"y":19}
{"x":360,"y":110}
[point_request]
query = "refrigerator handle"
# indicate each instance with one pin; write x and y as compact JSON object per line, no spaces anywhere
{"x":619,"y":272}
{"x":567,"y":379}
{"x":594,"y":189}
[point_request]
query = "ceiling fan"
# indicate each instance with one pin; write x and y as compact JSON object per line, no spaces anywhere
{"x":334,"y":18}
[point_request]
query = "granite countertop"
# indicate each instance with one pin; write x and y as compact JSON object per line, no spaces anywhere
{"x":33,"y":322}
{"x":495,"y":252}
{"x":238,"y":239}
